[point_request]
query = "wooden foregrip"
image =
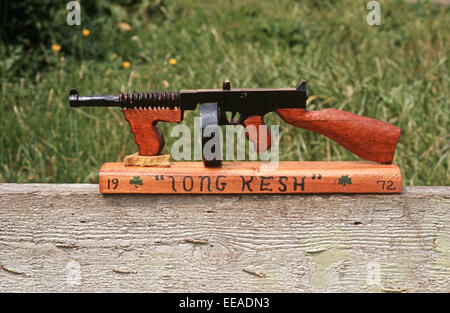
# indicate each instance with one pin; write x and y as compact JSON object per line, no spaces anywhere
{"x":254,"y":134}
{"x":368,"y":138}
{"x":143,"y":124}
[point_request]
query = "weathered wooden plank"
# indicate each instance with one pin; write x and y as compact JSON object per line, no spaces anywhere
{"x":71,"y":238}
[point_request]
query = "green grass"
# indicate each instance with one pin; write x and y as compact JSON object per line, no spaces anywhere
{"x":396,"y":72}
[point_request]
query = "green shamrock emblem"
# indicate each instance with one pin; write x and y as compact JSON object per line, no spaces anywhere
{"x":136,"y":180}
{"x":345,"y":180}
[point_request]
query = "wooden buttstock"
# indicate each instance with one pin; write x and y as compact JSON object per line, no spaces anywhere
{"x":143,"y":124}
{"x":368,"y":138}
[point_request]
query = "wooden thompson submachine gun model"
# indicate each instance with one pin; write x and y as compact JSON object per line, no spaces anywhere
{"x":149,"y":172}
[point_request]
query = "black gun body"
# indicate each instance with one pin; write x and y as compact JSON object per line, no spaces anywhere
{"x":245,"y":101}
{"x":257,"y":101}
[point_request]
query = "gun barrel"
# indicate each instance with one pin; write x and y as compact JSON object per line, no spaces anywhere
{"x":126,"y":100}
{"x":95,"y":101}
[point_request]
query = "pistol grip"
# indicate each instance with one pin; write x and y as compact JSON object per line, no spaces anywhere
{"x":254,"y":131}
{"x":143,"y":124}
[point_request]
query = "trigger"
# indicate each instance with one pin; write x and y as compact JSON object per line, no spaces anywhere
{"x":256,"y":131}
{"x":232,"y":121}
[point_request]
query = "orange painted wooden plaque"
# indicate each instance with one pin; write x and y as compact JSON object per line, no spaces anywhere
{"x":252,"y":178}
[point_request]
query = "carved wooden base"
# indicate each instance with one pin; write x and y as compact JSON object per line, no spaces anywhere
{"x":252,"y":177}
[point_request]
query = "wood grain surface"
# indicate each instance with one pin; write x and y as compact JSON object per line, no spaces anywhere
{"x":71,"y":238}
{"x":143,"y":124}
{"x":252,"y":177}
{"x":366,"y":137}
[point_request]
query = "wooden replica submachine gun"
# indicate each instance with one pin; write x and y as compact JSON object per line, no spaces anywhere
{"x":368,"y":138}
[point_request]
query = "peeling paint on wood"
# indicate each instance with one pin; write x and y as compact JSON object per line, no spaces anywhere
{"x":57,"y":238}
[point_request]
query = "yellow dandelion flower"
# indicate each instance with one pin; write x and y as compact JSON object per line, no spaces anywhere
{"x":173,"y":61}
{"x":126,"y":64}
{"x":56,"y":48}
{"x":124,"y":26}
{"x":86,"y":32}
